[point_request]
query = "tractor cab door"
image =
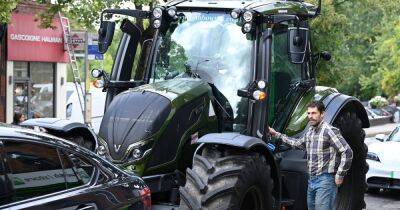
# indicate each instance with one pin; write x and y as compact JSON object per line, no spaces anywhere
{"x":130,"y":67}
{"x":289,"y":81}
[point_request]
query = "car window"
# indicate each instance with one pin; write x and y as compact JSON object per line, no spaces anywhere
{"x":79,"y":171}
{"x":35,"y":169}
{"x":5,"y":184}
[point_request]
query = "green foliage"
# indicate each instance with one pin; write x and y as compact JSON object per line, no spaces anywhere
{"x":378,"y":102}
{"x":6,"y":6}
{"x":363,"y":38}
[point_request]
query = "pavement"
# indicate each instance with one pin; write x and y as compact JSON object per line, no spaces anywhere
{"x":384,"y":129}
{"x":383,"y":200}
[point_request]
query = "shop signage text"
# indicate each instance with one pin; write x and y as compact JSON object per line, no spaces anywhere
{"x":33,"y":38}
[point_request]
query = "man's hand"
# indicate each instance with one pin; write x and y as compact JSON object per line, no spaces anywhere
{"x":338,"y":182}
{"x":272,"y":131}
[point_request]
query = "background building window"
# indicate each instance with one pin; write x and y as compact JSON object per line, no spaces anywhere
{"x":34,"y":89}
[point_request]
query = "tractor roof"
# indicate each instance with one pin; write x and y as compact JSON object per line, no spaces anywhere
{"x":261,"y":6}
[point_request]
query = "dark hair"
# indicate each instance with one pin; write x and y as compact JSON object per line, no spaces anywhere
{"x":17,"y":117}
{"x":320,"y":106}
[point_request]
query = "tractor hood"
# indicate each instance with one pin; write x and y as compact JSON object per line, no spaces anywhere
{"x":137,"y":114}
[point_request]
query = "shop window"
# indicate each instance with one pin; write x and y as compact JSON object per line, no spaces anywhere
{"x":34,"y":89}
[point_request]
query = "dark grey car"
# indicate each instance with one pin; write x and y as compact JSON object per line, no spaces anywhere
{"x":40,"y":171}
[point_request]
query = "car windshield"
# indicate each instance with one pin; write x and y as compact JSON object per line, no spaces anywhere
{"x":207,"y":45}
{"x":395,"y":135}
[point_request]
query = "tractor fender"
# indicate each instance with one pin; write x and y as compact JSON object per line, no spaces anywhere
{"x":249,"y":143}
{"x":336,"y":102}
{"x":56,"y":126}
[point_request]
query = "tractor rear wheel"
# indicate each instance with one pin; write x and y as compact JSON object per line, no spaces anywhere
{"x":228,"y":179}
{"x":351,"y":194}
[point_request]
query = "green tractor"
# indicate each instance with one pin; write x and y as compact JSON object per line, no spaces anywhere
{"x":190,"y":97}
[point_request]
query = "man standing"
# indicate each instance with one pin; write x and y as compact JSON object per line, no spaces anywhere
{"x":328,"y":157}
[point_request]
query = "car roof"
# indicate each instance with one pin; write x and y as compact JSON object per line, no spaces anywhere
{"x":14,"y":132}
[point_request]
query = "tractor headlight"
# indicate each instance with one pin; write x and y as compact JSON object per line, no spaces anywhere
{"x":248,"y":16}
{"x":235,"y":13}
{"x":157,"y":12}
{"x":101,"y":150}
{"x":171,"y":11}
{"x":141,"y":150}
{"x":373,"y":156}
{"x":137,"y":153}
{"x":247,"y":27}
{"x":157,"y":23}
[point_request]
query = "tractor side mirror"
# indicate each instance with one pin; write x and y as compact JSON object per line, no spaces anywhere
{"x":298,"y":42}
{"x":106,"y":34}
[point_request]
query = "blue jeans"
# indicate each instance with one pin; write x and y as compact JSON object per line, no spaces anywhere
{"x":321,"y":192}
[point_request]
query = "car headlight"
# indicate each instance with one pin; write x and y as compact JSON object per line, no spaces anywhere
{"x":373,"y":156}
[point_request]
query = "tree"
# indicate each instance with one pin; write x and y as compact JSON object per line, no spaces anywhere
{"x":6,"y":6}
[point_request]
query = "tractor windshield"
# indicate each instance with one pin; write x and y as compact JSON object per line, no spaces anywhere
{"x":207,"y":45}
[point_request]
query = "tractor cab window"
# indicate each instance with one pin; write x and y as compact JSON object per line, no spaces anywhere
{"x":209,"y":46}
{"x":284,"y":74}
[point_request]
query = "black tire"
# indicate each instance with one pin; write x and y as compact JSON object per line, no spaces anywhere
{"x":227,"y":180}
{"x":351,"y":194}
{"x":373,"y":190}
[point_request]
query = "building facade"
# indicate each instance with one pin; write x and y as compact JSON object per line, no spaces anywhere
{"x":33,"y":66}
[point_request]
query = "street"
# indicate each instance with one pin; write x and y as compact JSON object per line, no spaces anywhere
{"x":383,"y":200}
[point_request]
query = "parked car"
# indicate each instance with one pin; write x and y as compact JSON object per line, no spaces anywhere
{"x":40,"y":171}
{"x":384,"y":162}
{"x":378,"y":116}
{"x":394,"y":111}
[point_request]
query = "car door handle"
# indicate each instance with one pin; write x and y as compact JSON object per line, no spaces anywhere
{"x":86,"y":207}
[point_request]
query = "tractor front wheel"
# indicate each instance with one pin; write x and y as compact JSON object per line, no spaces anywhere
{"x":227,"y":179}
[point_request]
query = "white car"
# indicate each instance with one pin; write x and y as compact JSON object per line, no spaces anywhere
{"x":74,"y":111}
{"x":384,"y":162}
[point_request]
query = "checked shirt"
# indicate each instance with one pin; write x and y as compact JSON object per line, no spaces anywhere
{"x":327,"y":150}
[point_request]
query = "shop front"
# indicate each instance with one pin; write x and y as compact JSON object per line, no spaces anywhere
{"x":35,"y":68}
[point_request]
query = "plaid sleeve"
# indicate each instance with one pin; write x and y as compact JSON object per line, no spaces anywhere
{"x":294,"y":142}
{"x":346,"y":154}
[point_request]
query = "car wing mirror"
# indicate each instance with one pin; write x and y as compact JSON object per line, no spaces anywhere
{"x":298,"y":42}
{"x":106,"y":34}
{"x":380,"y":137}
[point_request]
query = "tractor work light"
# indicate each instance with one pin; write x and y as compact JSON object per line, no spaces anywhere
{"x":156,"y":23}
{"x":261,"y":84}
{"x":96,"y":73}
{"x":248,"y":16}
{"x":259,"y":95}
{"x":157,"y":12}
{"x":235,"y":13}
{"x":247,"y":27}
{"x":171,"y":11}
